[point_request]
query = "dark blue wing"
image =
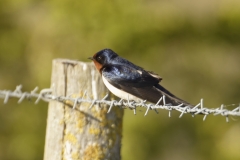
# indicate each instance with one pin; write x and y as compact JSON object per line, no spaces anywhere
{"x":128,"y":76}
{"x":121,"y":61}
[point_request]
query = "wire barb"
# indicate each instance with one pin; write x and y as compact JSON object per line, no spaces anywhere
{"x":93,"y":102}
{"x":147,"y":110}
{"x":110,"y":107}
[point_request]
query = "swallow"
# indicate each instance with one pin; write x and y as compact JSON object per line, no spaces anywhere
{"x":131,"y":82}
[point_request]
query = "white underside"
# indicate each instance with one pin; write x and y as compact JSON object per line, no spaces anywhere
{"x":119,"y":93}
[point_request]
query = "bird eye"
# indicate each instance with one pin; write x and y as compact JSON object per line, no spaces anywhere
{"x":99,"y":58}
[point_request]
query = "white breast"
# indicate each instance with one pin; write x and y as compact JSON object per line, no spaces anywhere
{"x":119,"y":93}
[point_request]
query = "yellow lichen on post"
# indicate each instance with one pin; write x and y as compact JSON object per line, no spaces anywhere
{"x":93,"y":152}
{"x":94,"y":131}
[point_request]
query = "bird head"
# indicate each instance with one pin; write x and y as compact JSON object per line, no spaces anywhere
{"x":103,"y":57}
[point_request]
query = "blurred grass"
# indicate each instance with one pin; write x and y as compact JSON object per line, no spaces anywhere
{"x":193,"y":45}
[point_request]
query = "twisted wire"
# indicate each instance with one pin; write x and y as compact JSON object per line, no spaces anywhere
{"x":47,"y":96}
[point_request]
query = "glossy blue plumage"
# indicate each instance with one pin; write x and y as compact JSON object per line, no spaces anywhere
{"x":129,"y":78}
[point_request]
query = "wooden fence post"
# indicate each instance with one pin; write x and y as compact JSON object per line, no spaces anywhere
{"x":81,"y":133}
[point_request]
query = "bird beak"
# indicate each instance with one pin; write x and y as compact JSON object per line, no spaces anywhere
{"x":91,"y":58}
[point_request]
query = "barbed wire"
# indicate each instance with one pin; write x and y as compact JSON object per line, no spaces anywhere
{"x":46,"y":95}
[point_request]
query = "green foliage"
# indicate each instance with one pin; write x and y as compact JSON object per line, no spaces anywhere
{"x":193,"y":45}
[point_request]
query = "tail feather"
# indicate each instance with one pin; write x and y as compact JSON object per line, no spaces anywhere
{"x":170,"y":98}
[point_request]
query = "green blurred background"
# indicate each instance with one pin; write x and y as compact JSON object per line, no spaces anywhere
{"x":193,"y":45}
